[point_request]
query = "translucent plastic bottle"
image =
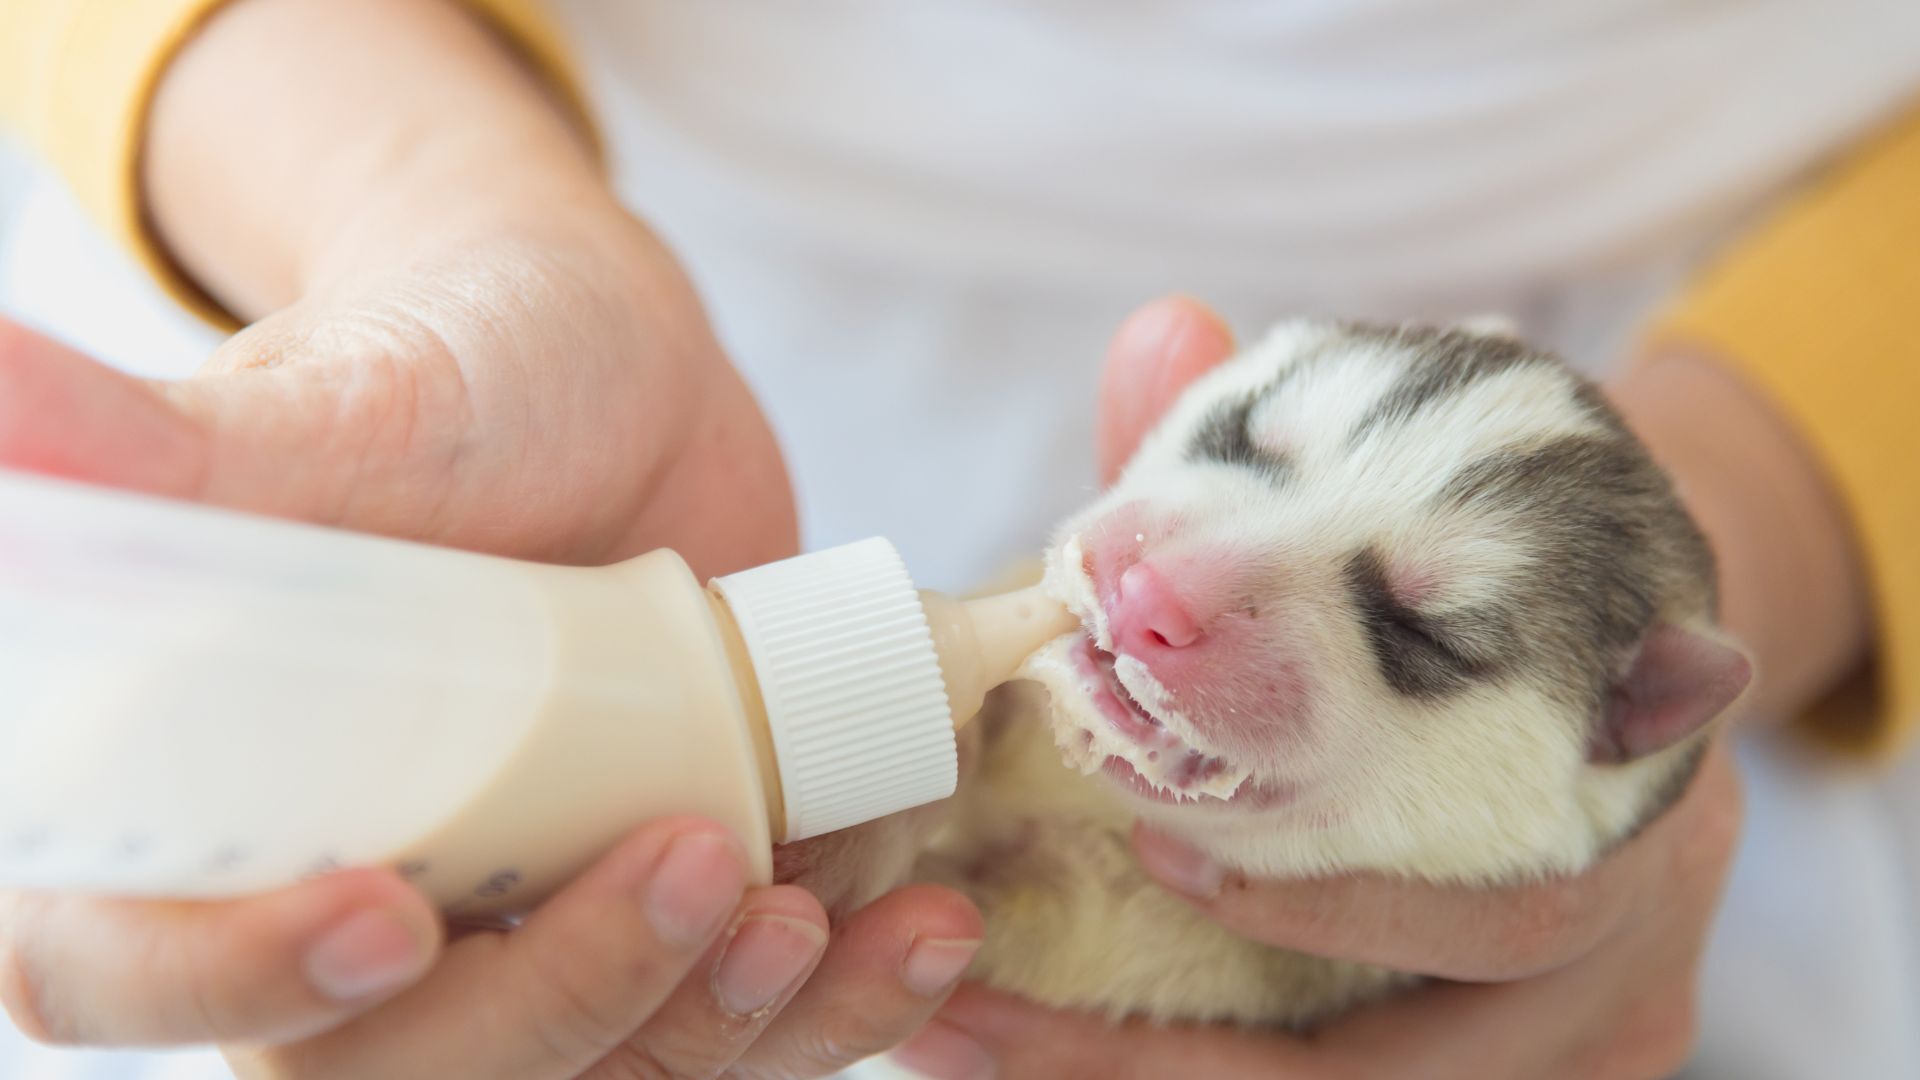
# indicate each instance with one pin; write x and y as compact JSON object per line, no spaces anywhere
{"x":202,"y":703}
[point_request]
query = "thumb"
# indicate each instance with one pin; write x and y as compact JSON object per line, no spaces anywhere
{"x":1156,"y":353}
{"x":64,"y":414}
{"x":360,"y":444}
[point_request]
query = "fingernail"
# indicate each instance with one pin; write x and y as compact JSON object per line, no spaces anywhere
{"x":1154,"y":330}
{"x":1158,"y":325}
{"x":372,"y":952}
{"x":934,"y":964}
{"x":766,"y":955}
{"x":694,"y":887}
{"x":941,"y":1052}
{"x":1178,"y":866}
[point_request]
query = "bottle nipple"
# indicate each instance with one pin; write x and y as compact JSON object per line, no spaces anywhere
{"x":983,"y":642}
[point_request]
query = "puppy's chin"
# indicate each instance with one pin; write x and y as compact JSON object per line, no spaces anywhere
{"x":1100,"y":725}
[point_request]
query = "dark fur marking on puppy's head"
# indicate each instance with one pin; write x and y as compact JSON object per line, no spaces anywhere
{"x":1609,"y":549}
{"x":1421,"y":656}
{"x":1446,"y":362}
{"x":1224,"y":439}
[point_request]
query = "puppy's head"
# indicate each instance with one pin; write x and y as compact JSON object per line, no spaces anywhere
{"x":1389,"y":597}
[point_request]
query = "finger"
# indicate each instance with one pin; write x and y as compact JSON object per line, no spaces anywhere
{"x":108,"y":972}
{"x":65,"y":415}
{"x":1157,"y":351}
{"x":733,"y":993}
{"x":556,"y":995}
{"x":315,"y":416}
{"x":367,"y":439}
{"x":296,"y":440}
{"x":982,"y":1034}
{"x":1455,"y":932}
{"x":885,"y":972}
{"x":1573,"y":1022}
{"x":1624,"y":1010}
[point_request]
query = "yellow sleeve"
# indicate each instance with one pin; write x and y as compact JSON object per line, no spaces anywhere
{"x":77,"y":78}
{"x":1820,"y":308}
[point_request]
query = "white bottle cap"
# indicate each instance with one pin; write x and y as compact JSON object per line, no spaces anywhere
{"x":856,"y":702}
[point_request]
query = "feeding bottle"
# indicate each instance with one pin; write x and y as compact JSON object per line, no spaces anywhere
{"x":201,"y":703}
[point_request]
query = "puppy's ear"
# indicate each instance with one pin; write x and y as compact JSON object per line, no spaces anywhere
{"x":1678,"y":682}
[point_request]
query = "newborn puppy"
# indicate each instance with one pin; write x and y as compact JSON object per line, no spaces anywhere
{"x":1369,"y":598}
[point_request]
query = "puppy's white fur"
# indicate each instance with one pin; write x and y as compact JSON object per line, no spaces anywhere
{"x":1490,"y":784}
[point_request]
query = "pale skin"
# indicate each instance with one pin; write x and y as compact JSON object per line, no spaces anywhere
{"x":461,"y":337}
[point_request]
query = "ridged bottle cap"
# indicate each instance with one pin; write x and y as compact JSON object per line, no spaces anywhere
{"x":856,"y":702}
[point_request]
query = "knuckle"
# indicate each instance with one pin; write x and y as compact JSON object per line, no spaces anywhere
{"x":577,"y":1012}
{"x":23,"y":993}
{"x":1655,"y":1041}
{"x":265,"y":344}
{"x":25,"y":990}
{"x":1672,"y":1052}
{"x":214,"y":1008}
{"x":1670,"y":1035}
{"x":573,"y":1024}
{"x":1648,"y":1042}
{"x":818,"y":1051}
{"x":679,"y":1052}
{"x":636,"y":1059}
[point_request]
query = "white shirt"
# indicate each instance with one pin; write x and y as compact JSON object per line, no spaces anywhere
{"x":916,"y":225}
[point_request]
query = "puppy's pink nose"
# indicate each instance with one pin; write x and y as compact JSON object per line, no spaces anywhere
{"x":1148,"y":614}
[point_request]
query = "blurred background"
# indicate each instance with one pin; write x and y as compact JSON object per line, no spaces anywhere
{"x":55,"y":268}
{"x":13,"y":179}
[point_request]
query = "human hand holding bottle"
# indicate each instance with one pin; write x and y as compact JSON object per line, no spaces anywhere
{"x":463,"y":339}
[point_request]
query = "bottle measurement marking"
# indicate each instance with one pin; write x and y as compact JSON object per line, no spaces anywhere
{"x":498,"y":885}
{"x":321,"y":867}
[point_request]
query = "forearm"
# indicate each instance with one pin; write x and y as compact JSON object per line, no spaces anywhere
{"x":1792,"y":585}
{"x":293,"y":142}
{"x":1805,"y":477}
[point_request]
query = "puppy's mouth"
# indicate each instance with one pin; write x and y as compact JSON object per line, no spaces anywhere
{"x":1176,"y":763}
{"x":1111,"y":715}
